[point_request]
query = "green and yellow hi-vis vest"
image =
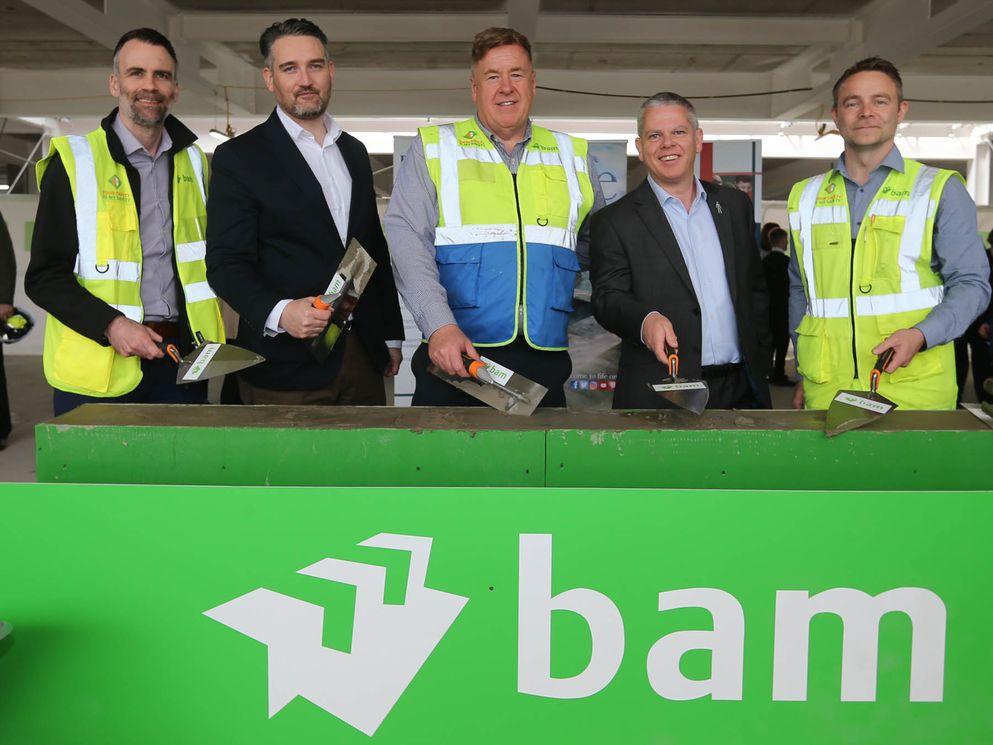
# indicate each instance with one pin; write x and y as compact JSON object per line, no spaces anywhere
{"x":109,"y":261}
{"x":858,"y":296}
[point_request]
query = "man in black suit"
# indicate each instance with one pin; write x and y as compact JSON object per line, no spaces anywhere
{"x":776,"y":265}
{"x":285,"y":200}
{"x":674,"y":263}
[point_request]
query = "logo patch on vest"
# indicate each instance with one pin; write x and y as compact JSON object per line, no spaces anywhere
{"x":470,"y":134}
{"x":830,"y":188}
{"x":890,"y":191}
{"x":115,"y":181}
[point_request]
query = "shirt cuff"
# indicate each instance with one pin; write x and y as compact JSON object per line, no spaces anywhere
{"x":394,"y":343}
{"x":272,"y":327}
{"x":653,"y":313}
{"x":929,"y":331}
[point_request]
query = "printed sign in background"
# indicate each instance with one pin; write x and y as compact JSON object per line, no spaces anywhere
{"x":116,"y":598}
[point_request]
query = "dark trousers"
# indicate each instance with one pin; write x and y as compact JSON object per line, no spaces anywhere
{"x":780,"y":343}
{"x":971,"y":350}
{"x":551,"y":369}
{"x":358,"y":383}
{"x":157,"y":386}
{"x":729,"y":387}
{"x":4,"y":401}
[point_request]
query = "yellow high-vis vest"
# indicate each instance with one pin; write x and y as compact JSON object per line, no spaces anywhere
{"x":858,"y":296}
{"x":109,"y":261}
{"x":506,"y":247}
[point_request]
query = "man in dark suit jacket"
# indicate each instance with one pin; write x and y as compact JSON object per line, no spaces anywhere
{"x":674,"y":263}
{"x":285,"y":200}
{"x":776,"y":266}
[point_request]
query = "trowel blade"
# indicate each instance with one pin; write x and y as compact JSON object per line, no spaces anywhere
{"x":512,"y":393}
{"x":212,"y":359}
{"x":691,"y":395}
{"x":853,"y":409}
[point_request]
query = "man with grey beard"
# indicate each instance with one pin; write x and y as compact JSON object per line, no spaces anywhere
{"x":117,"y":254}
{"x":286,"y":199}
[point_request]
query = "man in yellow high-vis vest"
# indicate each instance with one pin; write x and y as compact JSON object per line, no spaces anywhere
{"x":487,"y":231}
{"x":886,"y":255}
{"x":117,"y":255}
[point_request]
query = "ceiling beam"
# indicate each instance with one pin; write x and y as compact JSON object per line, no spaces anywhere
{"x":898,"y":30}
{"x":523,"y":16}
{"x":550,"y":27}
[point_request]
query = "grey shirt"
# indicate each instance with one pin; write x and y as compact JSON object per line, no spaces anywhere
{"x":413,"y":215}
{"x":957,"y":254}
{"x":159,"y":291}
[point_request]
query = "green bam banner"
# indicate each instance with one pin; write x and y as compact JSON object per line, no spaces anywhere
{"x":427,"y":615}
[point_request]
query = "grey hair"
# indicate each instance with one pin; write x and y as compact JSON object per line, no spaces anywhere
{"x":667,"y":98}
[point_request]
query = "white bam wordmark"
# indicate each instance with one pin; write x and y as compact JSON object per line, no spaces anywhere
{"x":390,"y":643}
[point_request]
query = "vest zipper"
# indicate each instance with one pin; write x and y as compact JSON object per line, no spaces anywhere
{"x":851,"y":308}
{"x":523,"y":258}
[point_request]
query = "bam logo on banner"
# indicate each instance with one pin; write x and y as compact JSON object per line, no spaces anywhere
{"x":391,"y":643}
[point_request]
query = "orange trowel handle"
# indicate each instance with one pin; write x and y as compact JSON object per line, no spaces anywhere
{"x":877,"y":370}
{"x":320,"y":304}
{"x":473,"y":366}
{"x":672,"y":356}
{"x":173,"y":352}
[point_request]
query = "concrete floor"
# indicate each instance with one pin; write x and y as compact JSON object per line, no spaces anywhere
{"x":31,"y":403}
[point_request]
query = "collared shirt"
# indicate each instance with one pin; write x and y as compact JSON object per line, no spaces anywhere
{"x":700,"y":246}
{"x":957,"y":254}
{"x":159,"y":288}
{"x":410,"y":223}
{"x":328,"y":166}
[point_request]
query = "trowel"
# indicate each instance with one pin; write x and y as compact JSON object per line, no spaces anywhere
{"x":210,"y":359}
{"x":496,"y":386}
{"x":685,"y":393}
{"x":852,"y":409}
{"x":341,"y":296}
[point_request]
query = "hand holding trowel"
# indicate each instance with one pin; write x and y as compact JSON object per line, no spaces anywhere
{"x":209,"y":360}
{"x":343,"y":293}
{"x":852,"y":409}
{"x":685,"y":393}
{"x":496,"y":386}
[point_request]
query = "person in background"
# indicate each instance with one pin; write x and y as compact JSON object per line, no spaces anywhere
{"x":8,"y":277}
{"x":972,"y":349}
{"x":776,"y":266}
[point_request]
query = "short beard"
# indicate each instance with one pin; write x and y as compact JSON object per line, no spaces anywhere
{"x":298,"y":111}
{"x":142,"y":121}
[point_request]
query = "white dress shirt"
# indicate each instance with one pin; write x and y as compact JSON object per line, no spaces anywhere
{"x":328,"y":166}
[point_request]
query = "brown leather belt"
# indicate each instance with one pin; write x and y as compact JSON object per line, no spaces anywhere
{"x":165,"y":329}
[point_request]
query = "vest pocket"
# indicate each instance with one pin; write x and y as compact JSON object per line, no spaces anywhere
{"x":83,"y":363}
{"x":885,"y":235}
{"x":813,"y":356}
{"x":925,"y":364}
{"x":111,"y":225}
{"x":458,"y":271}
{"x":564,"y":279}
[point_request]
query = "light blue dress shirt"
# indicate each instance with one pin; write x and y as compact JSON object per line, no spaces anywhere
{"x":700,"y":246}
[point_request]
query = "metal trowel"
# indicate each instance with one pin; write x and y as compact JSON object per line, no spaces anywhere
{"x":852,"y":409}
{"x":342,"y":295}
{"x":496,"y":386}
{"x":210,"y":359}
{"x":685,"y":393}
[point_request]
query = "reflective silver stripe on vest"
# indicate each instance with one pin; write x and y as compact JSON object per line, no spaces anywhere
{"x":805,"y":213}
{"x":122,"y":271}
{"x":830,"y":215}
{"x":550,"y":235}
{"x":134,"y":312}
{"x":194,"y":155}
{"x":912,"y":240}
{"x":448,"y":156}
{"x":461,"y":234}
{"x":567,"y":156}
{"x":900,"y":302}
{"x":828,"y":307}
{"x":194,"y":251}
{"x":198,"y":291}
{"x":86,"y":204}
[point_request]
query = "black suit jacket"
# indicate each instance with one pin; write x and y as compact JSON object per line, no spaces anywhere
{"x":776,"y":267}
{"x":636,"y":267}
{"x":270,"y":237}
